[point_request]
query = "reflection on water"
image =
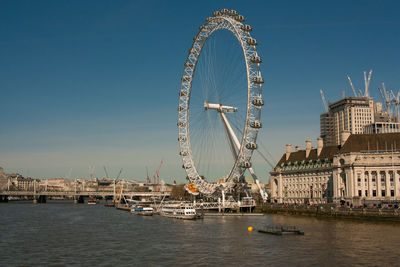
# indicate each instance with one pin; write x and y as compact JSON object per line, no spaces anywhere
{"x":63,"y":233}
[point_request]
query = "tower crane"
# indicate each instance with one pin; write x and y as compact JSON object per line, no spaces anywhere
{"x":91,"y":170}
{"x":105,"y":170}
{"x":386,"y":98}
{"x":324,"y":99}
{"x":148,"y":179}
{"x":367,"y":81}
{"x":352,"y":86}
{"x":396,"y":102}
{"x":119,"y":174}
{"x":69,"y":173}
{"x":156,"y":176}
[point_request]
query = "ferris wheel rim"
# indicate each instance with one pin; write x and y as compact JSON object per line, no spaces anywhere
{"x":228,"y":20}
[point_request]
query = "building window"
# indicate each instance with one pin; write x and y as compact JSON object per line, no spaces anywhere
{"x":392,"y":193}
{"x":374,"y":193}
{"x":366,"y":193}
{"x":359,"y":193}
{"x":383,"y":193}
{"x":383,"y":178}
{"x":391,"y":176}
{"x":366,"y":177}
{"x":373,"y":175}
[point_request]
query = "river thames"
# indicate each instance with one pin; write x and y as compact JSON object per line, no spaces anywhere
{"x":60,"y":233}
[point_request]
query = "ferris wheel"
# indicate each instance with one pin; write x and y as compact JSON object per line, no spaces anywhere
{"x":220,"y":104}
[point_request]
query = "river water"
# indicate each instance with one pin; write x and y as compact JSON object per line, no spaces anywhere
{"x":60,"y":234}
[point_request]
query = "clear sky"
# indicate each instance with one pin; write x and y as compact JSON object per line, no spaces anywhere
{"x":96,"y":82}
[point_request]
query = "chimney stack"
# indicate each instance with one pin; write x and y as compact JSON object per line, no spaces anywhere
{"x":296,"y":148}
{"x":288,"y":150}
{"x":308,"y":148}
{"x":320,"y":145}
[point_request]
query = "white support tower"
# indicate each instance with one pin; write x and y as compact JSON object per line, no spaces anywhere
{"x":231,"y":136}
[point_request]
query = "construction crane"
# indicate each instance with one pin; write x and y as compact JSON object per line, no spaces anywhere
{"x":386,"y":98}
{"x":68,"y":175}
{"x":105,"y":170}
{"x":352,"y":86}
{"x":324,"y":99}
{"x":148,"y":179}
{"x":367,"y":81}
{"x":156,"y":176}
{"x":120,"y":171}
{"x":395,"y":100}
{"x":91,"y":170}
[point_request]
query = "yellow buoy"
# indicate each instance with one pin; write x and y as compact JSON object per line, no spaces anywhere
{"x":250,"y":229}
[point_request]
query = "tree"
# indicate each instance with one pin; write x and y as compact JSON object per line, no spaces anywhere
{"x":179,"y":193}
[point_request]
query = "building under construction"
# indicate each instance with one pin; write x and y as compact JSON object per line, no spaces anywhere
{"x":359,"y":115}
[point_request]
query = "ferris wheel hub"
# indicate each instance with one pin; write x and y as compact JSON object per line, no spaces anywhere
{"x":220,"y":108}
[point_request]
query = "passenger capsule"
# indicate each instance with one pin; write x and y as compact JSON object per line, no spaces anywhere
{"x":209,"y":19}
{"x":186,"y":78}
{"x":252,"y":41}
{"x":183,"y":153}
{"x":181,"y":124}
{"x":193,"y":51}
{"x":181,"y":109}
{"x":216,"y":13}
{"x":240,"y":18}
{"x":246,"y":28}
{"x":255,"y":124}
{"x":197,"y":38}
{"x":232,"y":13}
{"x":203,"y":28}
{"x":251,"y":145}
{"x":189,"y":64}
{"x":256,"y":59}
{"x":224,"y":11}
{"x":258,"y":102}
{"x":182,"y":93}
{"x":258,"y":80}
{"x":245,"y":164}
{"x":186,"y":166}
{"x":182,"y":139}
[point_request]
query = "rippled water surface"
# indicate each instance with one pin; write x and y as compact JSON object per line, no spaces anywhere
{"x":60,"y":233}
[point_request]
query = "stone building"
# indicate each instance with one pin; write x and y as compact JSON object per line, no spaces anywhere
{"x":363,"y":169}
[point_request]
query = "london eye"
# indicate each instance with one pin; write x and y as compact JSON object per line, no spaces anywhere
{"x":220,"y":101}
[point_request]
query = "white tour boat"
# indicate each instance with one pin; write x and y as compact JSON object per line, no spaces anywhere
{"x":140,"y":210}
{"x":180,"y":210}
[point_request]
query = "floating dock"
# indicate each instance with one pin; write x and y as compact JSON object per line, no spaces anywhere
{"x":280,"y":230}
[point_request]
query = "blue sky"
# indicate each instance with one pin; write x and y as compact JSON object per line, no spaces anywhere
{"x":96,"y":82}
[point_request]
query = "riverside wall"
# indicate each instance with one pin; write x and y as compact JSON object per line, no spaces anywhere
{"x":333,"y":211}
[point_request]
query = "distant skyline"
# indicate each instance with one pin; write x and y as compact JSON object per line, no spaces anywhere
{"x":96,"y":82}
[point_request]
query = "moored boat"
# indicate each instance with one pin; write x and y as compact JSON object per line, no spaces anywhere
{"x":140,"y":210}
{"x":180,"y":210}
{"x":92,"y":201}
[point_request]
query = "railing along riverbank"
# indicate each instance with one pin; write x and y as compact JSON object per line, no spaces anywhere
{"x":333,"y":211}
